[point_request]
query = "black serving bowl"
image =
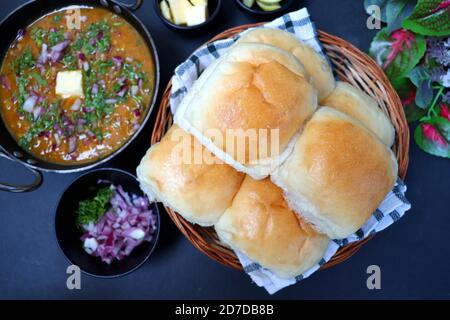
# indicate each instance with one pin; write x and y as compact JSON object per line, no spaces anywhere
{"x":68,"y":234}
{"x":22,"y":17}
{"x":213,"y":9}
{"x":255,"y":9}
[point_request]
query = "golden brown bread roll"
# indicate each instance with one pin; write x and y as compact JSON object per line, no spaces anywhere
{"x":261,"y":225}
{"x":338,"y":173}
{"x":199,"y":191}
{"x":357,"y":104}
{"x":315,"y":64}
{"x":254,"y":87}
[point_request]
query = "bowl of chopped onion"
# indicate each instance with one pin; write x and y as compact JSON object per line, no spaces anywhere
{"x":105,"y":224}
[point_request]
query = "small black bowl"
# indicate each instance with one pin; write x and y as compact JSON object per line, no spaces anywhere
{"x":285,"y":4}
{"x":68,"y":234}
{"x":213,"y":9}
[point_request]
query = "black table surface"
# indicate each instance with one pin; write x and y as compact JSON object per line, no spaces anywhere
{"x":413,"y":254}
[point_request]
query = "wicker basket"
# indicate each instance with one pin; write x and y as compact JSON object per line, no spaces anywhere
{"x":351,"y":65}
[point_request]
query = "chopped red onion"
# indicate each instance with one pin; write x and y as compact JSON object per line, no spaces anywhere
{"x":58,"y":129}
{"x":57,"y":139}
{"x":126,"y":225}
{"x":111,"y":101}
{"x":72,"y":144}
{"x":80,"y":124}
{"x":43,"y":57}
{"x":81,"y":56}
{"x":37,"y":112}
{"x":29,"y":103}
{"x":57,"y":51}
{"x":61,"y":46}
{"x":137,"y":113}
{"x":5,"y":82}
{"x":76,"y":105}
{"x":100,"y":35}
{"x":21,"y":33}
{"x":94,"y":88}
{"x":123,"y":90}
{"x":117,"y":61}
{"x":86,"y":66}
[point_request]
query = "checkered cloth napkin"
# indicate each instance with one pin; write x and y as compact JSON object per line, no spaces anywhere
{"x":391,"y":209}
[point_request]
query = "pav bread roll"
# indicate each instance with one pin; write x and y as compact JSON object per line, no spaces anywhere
{"x":338,"y":173}
{"x":250,"y":109}
{"x":315,"y":64}
{"x":357,"y":104}
{"x":260,"y":224}
{"x":179,"y":172}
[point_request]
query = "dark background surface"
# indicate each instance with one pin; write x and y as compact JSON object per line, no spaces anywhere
{"x":413,"y":254}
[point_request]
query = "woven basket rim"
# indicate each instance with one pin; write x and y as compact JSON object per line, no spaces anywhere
{"x":205,"y":239}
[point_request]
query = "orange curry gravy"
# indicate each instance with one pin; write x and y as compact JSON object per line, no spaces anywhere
{"x":118,"y":84}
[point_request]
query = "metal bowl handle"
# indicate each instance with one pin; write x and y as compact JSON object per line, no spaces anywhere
{"x":21,"y":188}
{"x":132,"y":6}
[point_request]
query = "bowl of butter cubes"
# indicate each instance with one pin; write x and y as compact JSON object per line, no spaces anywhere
{"x":187,"y":14}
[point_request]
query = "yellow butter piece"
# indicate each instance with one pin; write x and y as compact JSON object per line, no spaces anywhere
{"x":196,"y":15}
{"x":69,"y":84}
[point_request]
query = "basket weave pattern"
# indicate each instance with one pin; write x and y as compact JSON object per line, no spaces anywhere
{"x":351,"y":65}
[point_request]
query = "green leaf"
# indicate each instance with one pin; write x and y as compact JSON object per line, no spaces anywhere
{"x":407,"y":54}
{"x":420,"y":77}
{"x":393,"y":12}
{"x":424,"y":95}
{"x":433,"y":136}
{"x":407,"y":93}
{"x":397,"y":11}
{"x":91,"y":210}
{"x":430,"y":18}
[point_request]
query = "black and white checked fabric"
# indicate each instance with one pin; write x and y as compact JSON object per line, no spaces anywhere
{"x":393,"y":207}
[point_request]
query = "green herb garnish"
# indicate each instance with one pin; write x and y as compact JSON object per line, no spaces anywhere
{"x":41,"y":81}
{"x":44,"y":123}
{"x":56,"y":37}
{"x":38,"y":35}
{"x":24,"y":62}
{"x":91,"y":210}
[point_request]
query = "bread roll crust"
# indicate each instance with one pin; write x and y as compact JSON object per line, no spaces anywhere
{"x":197,"y":190}
{"x":338,"y":173}
{"x":357,"y":104}
{"x":254,"y":87}
{"x":316,"y":66}
{"x":260,"y":224}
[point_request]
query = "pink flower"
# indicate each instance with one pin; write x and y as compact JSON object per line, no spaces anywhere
{"x":410,"y":98}
{"x":401,"y":37}
{"x":442,"y":6}
{"x":431,"y":133}
{"x":445,"y":112}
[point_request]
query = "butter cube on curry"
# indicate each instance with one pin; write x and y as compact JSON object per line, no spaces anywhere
{"x":69,"y":84}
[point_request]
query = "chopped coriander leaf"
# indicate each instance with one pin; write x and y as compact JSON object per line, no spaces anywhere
{"x":56,"y":18}
{"x":116,"y":87}
{"x":38,"y":35}
{"x":98,"y":133}
{"x":102,"y":67}
{"x":55,"y":37}
{"x":24,"y":62}
{"x":44,"y":123}
{"x":91,"y":210}
{"x":70,"y":61}
{"x":41,"y":81}
{"x":22,"y":93}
